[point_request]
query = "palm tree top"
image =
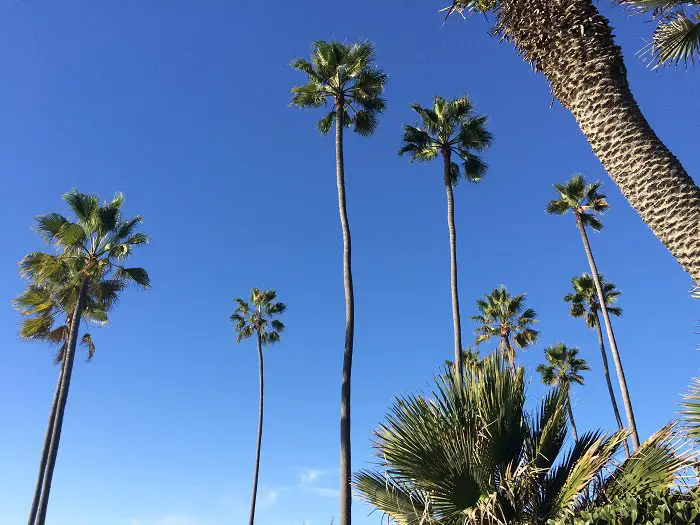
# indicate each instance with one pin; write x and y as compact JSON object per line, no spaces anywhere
{"x":584,"y":298}
{"x":449,"y":127}
{"x":563,"y":365}
{"x":582,"y":198}
{"x":502,"y":314}
{"x":345,"y":75}
{"x":257,"y":316}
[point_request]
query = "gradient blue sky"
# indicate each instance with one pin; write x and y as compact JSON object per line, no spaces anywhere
{"x":183,"y":106}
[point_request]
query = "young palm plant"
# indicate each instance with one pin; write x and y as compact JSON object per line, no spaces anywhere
{"x":563,"y":368}
{"x":572,"y":45}
{"x":502,"y":315}
{"x":584,"y":304}
{"x":344,"y":76}
{"x":88,"y":253}
{"x":586,"y":202}
{"x":470,"y":453}
{"x":257,"y":318}
{"x":449,"y":128}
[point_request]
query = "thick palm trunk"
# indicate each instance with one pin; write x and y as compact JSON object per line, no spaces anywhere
{"x":68,"y":358}
{"x":45,"y":450}
{"x":510,"y":353}
{"x":606,"y":372}
{"x":254,"y":497}
{"x":453,"y":266}
{"x":345,"y":447}
{"x":611,"y":338}
{"x":571,"y":43}
{"x":571,"y":418}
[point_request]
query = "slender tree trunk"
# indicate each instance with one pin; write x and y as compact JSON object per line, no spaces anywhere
{"x":345,"y":447}
{"x":572,"y":45}
{"x":68,"y":358}
{"x":611,"y":337}
{"x":251,"y":521}
{"x":45,"y":450}
{"x":453,"y":265}
{"x":571,"y":418}
{"x":606,"y":372}
{"x":510,"y":353}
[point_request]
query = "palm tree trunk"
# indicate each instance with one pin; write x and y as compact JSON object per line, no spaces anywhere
{"x":510,"y":353}
{"x":45,"y":450}
{"x":606,"y":371}
{"x":571,"y":418}
{"x":251,"y":521}
{"x":453,"y":266}
{"x":345,"y":446}
{"x":611,"y":338}
{"x":572,"y":44}
{"x":62,"y":400}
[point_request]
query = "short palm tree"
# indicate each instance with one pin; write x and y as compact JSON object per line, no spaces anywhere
{"x":563,"y":368}
{"x":449,"y":129}
{"x":470,"y":453}
{"x":586,"y":202}
{"x":584,"y":304}
{"x":344,"y":76}
{"x":257,"y":318}
{"x":88,"y":263}
{"x":504,"y":316}
{"x":677,"y":35}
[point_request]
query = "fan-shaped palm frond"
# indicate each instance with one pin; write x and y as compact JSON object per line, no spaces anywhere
{"x":256,"y":316}
{"x":583,"y":199}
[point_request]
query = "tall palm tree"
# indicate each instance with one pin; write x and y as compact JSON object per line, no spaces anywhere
{"x":88,"y":252}
{"x":584,"y":304}
{"x":677,"y":35}
{"x":257,"y":318}
{"x":502,"y":315}
{"x":470,"y":453}
{"x":572,"y":45}
{"x":563,"y":368}
{"x":586,"y":202}
{"x":449,"y":128}
{"x":345,"y":76}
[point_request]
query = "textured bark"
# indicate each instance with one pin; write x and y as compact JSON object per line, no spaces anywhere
{"x":606,"y":372}
{"x":572,"y":45}
{"x":254,"y":497}
{"x":62,"y":400}
{"x":509,"y":351}
{"x":45,"y":450}
{"x":345,"y":448}
{"x":571,"y":418}
{"x":453,"y":266}
{"x":611,"y":338}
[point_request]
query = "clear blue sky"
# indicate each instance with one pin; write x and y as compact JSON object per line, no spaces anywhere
{"x":183,"y":106}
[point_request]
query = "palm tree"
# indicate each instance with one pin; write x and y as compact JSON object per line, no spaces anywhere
{"x":586,"y":202}
{"x":563,"y":368}
{"x":448,"y":128}
{"x":470,"y":358}
{"x":89,"y":252}
{"x":572,"y":45}
{"x":502,"y":315}
{"x":258,"y":318}
{"x":584,"y":304}
{"x":470,"y":453}
{"x":344,"y":76}
{"x":677,"y":35}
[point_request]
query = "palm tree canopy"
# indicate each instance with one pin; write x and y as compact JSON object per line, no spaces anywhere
{"x":581,"y":198}
{"x":470,"y":453}
{"x":584,"y":298}
{"x":343,"y":74}
{"x":258,"y":316}
{"x":449,"y":127}
{"x":501,"y":314}
{"x":677,"y":35}
{"x":563,"y":366}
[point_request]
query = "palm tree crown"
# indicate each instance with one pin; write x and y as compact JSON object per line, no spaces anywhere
{"x":584,"y":298}
{"x":449,"y":127}
{"x":563,"y":366}
{"x":257,"y":317}
{"x":581,"y":198}
{"x":502,"y":315}
{"x":344,"y":75}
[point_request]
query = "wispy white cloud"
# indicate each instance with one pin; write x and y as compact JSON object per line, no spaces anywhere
{"x":309,"y":476}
